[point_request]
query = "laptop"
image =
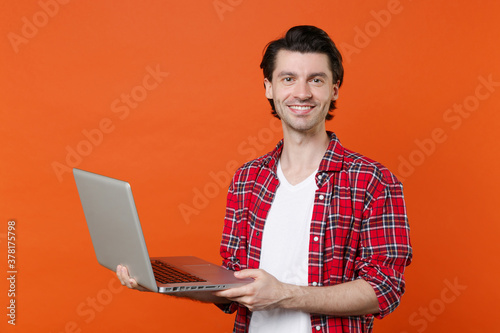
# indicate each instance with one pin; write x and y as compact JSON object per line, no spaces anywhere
{"x":117,"y":238}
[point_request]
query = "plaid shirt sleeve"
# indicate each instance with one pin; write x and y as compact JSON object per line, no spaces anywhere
{"x":385,"y":247}
{"x":234,"y":245}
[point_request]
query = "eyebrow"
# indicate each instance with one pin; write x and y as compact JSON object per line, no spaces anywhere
{"x":320,"y":74}
{"x":281,"y":74}
{"x":316,"y":74}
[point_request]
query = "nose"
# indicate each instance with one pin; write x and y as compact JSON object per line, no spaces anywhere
{"x":302,"y":90}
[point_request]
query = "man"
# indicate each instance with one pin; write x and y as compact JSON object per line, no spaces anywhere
{"x":322,"y":230}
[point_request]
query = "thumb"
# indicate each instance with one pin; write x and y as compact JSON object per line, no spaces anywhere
{"x":248,"y":273}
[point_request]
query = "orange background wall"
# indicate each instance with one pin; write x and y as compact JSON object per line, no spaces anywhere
{"x":421,"y":95}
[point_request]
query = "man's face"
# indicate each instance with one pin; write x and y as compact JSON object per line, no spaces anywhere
{"x":302,"y":88}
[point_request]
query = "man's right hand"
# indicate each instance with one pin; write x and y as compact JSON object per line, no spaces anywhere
{"x":202,"y":296}
{"x":126,"y":280}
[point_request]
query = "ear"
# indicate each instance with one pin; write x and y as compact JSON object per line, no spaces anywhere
{"x":335,"y":91}
{"x":269,"y":88}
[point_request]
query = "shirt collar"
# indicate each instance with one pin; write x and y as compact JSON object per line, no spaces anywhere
{"x":334,"y":156}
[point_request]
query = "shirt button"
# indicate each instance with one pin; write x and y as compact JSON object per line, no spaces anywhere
{"x":316,"y":238}
{"x":321,"y":197}
{"x":318,"y":328}
{"x":315,"y":284}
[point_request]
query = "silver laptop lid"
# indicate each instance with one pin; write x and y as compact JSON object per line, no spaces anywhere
{"x":109,"y":206}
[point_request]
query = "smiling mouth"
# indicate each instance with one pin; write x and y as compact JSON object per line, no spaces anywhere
{"x":300,"y":109}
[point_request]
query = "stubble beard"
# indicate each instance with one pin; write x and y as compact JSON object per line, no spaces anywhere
{"x":301,"y":123}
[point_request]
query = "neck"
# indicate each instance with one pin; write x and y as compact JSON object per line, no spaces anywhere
{"x":302,"y":154}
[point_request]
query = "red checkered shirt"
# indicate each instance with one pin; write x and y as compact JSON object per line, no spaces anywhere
{"x":359,"y":230}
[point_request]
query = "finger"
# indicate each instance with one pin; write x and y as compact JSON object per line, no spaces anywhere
{"x":236,"y":292}
{"x":248,"y":273}
{"x":243,"y":300}
{"x":126,"y":279}
{"x":119,"y":274}
{"x":230,"y":293}
{"x":123,"y":274}
{"x":133,"y":283}
{"x":243,"y":290}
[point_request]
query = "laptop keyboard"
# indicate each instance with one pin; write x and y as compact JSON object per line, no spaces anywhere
{"x":165,"y":273}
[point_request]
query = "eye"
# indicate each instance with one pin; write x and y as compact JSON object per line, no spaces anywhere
{"x":288,"y":80}
{"x":317,"y":81}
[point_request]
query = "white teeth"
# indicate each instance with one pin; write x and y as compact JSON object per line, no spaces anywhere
{"x":301,"y":107}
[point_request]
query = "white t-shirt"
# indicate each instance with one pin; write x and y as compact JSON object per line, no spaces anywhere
{"x":285,"y":251}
